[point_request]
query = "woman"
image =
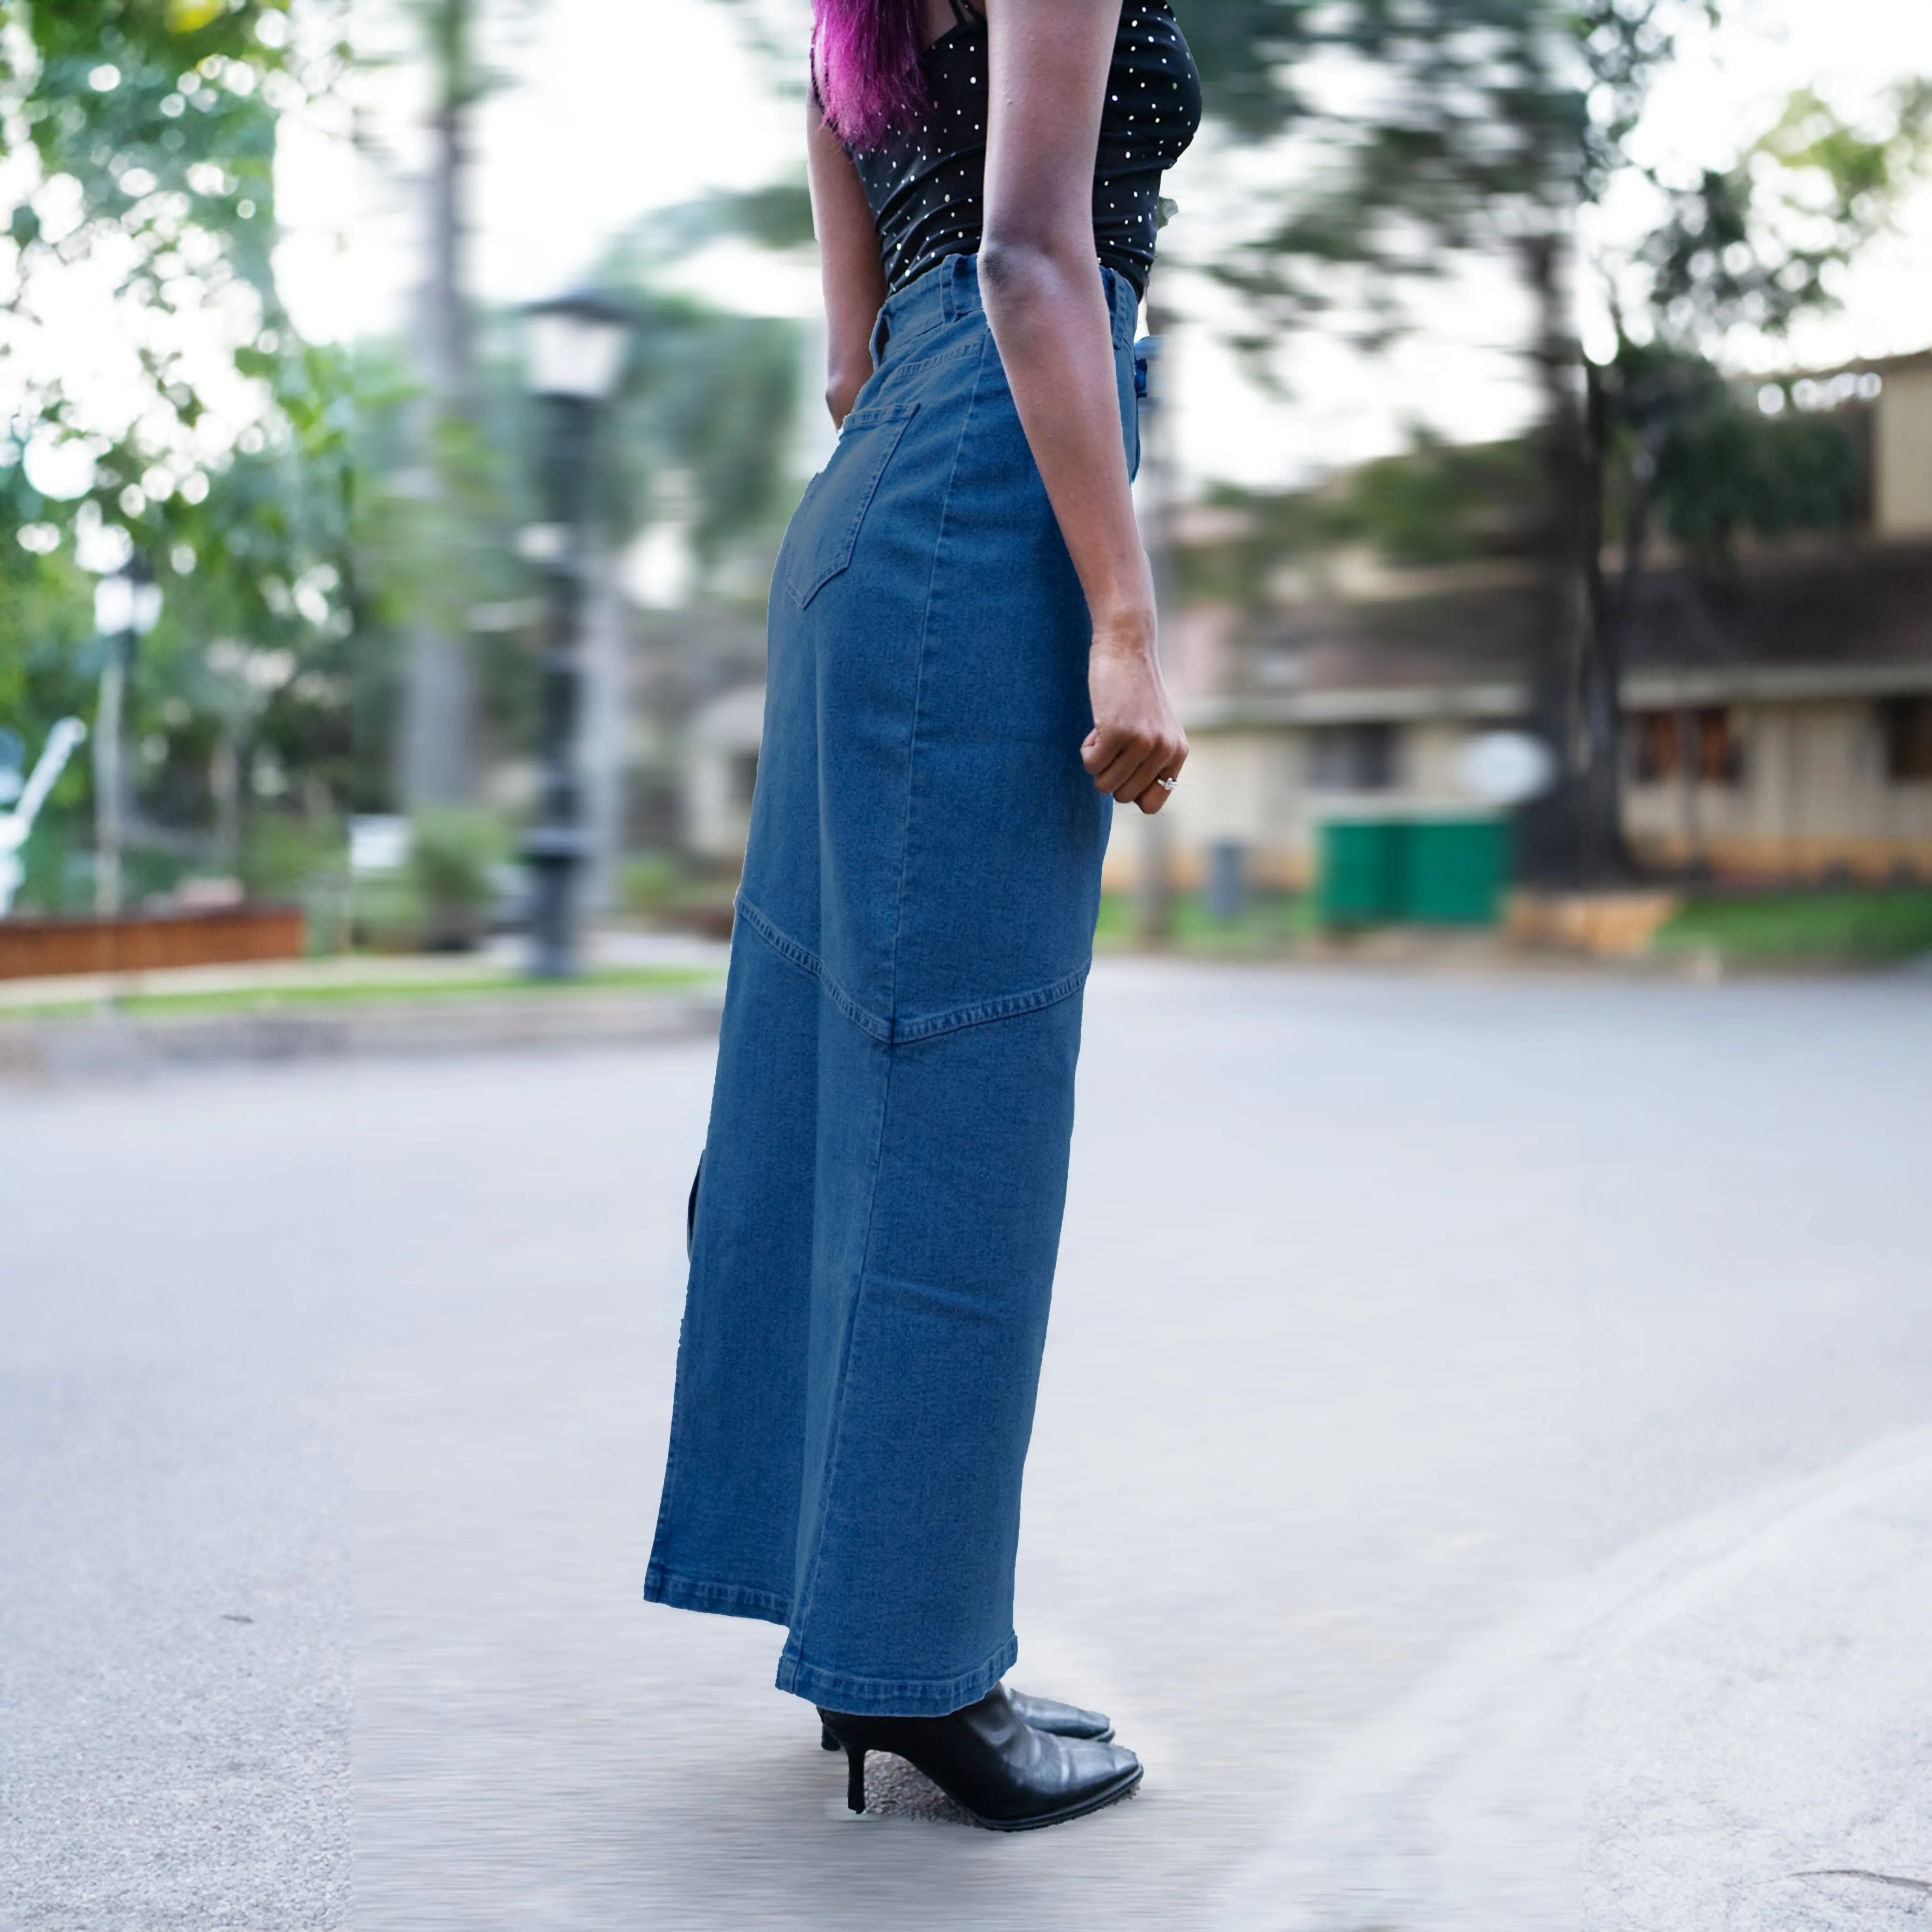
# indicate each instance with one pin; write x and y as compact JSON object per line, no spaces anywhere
{"x":962,"y":683}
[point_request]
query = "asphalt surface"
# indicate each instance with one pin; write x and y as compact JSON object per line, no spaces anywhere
{"x":1484,"y":1465}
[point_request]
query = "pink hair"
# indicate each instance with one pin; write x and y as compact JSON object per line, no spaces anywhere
{"x":864,"y":58}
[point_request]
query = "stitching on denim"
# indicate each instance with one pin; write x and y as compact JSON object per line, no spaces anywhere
{"x":939,"y":356}
{"x":885,"y":416}
{"x":664,"y":1584}
{"x":808,"y":963}
{"x":679,"y":1394}
{"x":928,"y":1026}
{"x":808,"y":1584}
{"x":919,"y":1026}
{"x":809,"y":1680}
{"x":919,"y":681}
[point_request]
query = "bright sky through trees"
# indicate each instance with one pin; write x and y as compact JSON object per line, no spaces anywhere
{"x":615,"y":109}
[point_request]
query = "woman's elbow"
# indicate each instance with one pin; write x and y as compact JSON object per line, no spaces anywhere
{"x":1017,"y":269}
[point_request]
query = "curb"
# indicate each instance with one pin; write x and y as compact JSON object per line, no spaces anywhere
{"x":112,"y":1042}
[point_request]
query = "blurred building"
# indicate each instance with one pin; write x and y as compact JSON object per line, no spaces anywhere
{"x":1778,"y":715}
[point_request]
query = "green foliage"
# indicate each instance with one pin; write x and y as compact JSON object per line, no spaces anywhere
{"x":712,"y":398}
{"x":1762,"y":242}
{"x":1846,"y":927}
{"x":1438,"y":505}
{"x":152,"y":128}
{"x":1729,"y":470}
{"x":652,"y":882}
{"x":1475,"y":136}
{"x":1269,"y":923}
{"x":454,"y":852}
{"x":1434,"y":504}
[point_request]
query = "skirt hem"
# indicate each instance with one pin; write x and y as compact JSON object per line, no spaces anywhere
{"x":889,"y":1697}
{"x":721,"y":1599}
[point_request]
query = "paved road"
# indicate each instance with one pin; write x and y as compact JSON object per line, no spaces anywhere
{"x":1414,"y":1339}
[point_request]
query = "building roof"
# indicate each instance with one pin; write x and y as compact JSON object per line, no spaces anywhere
{"x":1845,"y":620}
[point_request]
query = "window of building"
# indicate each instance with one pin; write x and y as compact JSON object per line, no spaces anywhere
{"x":1354,"y":757}
{"x":1663,"y":744}
{"x":1906,"y":725}
{"x":1651,"y":736}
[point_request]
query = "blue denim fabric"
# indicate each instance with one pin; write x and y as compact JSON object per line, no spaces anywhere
{"x":873,"y":1247}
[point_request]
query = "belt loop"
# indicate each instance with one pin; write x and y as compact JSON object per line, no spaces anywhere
{"x":950,"y":306}
{"x":881,"y":335}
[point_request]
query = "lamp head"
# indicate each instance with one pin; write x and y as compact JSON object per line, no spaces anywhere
{"x":576,"y":346}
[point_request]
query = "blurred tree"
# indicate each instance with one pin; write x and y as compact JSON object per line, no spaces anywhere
{"x":440,"y":747}
{"x":1484,"y":126}
{"x":1488,"y":126}
{"x":711,"y":397}
{"x":141,"y":139}
{"x":1753,"y":248}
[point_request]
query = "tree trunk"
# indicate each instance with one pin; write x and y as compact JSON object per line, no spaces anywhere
{"x":1609,"y":616}
{"x":440,"y":729}
{"x":1548,"y":827}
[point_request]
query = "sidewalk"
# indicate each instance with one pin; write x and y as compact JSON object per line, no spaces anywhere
{"x":638,"y":986}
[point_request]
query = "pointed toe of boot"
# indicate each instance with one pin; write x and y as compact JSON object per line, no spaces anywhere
{"x":1007,"y":1775}
{"x":1064,"y":1720}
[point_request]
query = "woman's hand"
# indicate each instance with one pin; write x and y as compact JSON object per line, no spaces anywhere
{"x":1136,"y":740}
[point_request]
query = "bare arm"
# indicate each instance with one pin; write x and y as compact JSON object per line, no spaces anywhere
{"x":854,"y":275}
{"x":1049,"y":66}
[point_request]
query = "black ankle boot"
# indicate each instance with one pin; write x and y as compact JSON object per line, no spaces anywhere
{"x":1004,"y":1774}
{"x":1043,"y":1714}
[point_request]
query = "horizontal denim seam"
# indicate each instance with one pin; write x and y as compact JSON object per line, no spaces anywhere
{"x":1006,"y":1007}
{"x":926,"y":1026}
{"x":835,"y":1689}
{"x":931,"y":361}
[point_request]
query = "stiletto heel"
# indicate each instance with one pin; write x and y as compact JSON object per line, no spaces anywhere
{"x":999,"y":1770}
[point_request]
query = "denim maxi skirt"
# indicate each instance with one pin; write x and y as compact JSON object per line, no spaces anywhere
{"x":879,"y":1207}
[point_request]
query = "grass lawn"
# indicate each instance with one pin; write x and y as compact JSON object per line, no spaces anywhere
{"x":1269,"y":922}
{"x":372,"y":992}
{"x":1848,"y":927}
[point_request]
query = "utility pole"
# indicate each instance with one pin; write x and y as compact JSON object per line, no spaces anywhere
{"x":1153,"y":907}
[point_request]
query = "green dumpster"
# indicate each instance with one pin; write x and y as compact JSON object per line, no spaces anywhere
{"x":1420,"y":868}
{"x":1359,"y":876}
{"x":1454,"y":870}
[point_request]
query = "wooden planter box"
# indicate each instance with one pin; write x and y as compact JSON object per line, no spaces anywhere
{"x":32,"y":948}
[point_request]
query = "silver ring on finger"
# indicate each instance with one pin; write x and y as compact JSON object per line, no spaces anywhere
{"x":1167,"y":785}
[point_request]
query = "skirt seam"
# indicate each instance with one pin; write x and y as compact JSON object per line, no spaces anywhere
{"x":918,"y":683}
{"x":919,"y":1026}
{"x":808,"y":963}
{"x":808,"y":1583}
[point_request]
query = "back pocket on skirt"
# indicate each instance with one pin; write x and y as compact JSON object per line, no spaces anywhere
{"x":824,"y":528}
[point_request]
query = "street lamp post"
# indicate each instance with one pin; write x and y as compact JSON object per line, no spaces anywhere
{"x":126,"y":605}
{"x":576,"y":345}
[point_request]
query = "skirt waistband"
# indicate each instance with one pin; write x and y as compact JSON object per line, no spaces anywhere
{"x":950,"y":289}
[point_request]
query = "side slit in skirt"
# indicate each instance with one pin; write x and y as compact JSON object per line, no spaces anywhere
{"x":874,"y":1233}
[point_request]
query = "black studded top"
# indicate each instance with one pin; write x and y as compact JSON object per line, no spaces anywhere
{"x":926,"y":184}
